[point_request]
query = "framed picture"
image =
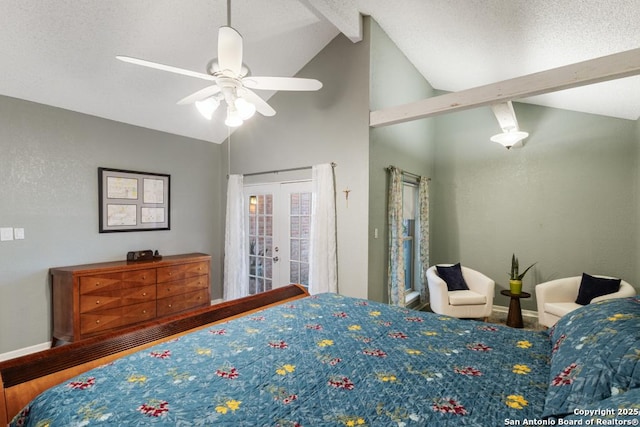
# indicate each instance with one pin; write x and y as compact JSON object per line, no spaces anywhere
{"x":133,"y":201}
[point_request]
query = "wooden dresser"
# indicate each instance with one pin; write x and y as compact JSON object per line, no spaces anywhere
{"x":92,"y":299}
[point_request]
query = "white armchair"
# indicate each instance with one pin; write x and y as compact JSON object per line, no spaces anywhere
{"x":557,"y":297}
{"x":476,"y":302}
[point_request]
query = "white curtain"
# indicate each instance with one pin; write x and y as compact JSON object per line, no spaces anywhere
{"x":236,"y":274}
{"x":323,"y":268}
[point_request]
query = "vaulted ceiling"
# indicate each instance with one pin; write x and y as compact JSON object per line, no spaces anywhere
{"x":62,"y":53}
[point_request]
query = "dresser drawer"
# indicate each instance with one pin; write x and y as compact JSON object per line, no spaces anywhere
{"x":176,"y":272}
{"x":138,"y":312}
{"x":139,"y":277}
{"x":138,"y":294}
{"x":178,"y":287}
{"x":97,"y":322}
{"x":93,"y":323}
{"x":106,"y":300}
{"x":178,"y":303}
{"x":109,"y":281}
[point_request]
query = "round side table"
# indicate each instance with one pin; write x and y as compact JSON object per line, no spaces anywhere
{"x":514,"y":318}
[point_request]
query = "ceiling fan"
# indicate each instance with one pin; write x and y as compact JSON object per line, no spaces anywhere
{"x":232,"y":81}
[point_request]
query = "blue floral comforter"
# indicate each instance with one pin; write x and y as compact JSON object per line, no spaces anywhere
{"x":595,"y":363}
{"x":327,"y":360}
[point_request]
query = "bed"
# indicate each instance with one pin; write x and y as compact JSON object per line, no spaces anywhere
{"x":331,"y":360}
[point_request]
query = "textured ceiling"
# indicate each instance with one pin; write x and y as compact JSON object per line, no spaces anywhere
{"x":62,"y":52}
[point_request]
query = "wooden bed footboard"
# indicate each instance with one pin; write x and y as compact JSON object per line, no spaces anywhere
{"x":23,"y":378}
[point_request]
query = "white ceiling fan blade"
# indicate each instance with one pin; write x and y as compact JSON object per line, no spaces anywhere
{"x":230,"y":50}
{"x":261,"y":105}
{"x":281,"y":83}
{"x":163,"y":67}
{"x":200,"y":95}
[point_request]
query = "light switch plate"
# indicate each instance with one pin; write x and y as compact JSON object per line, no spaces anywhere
{"x":6,"y":233}
{"x":18,"y":233}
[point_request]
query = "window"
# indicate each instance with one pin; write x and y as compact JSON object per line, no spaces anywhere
{"x":411,"y":276}
{"x":408,"y":235}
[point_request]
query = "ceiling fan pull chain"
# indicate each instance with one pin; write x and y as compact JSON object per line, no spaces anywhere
{"x":228,"y":13}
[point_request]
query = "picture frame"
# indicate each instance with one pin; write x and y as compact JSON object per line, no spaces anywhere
{"x":133,"y":201}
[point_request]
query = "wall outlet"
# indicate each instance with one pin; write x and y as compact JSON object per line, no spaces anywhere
{"x":6,"y":233}
{"x":18,"y":233}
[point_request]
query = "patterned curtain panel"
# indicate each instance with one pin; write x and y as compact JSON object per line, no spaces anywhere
{"x":423,"y":237}
{"x":395,"y":280}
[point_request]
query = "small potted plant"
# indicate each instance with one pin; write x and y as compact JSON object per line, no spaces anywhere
{"x":515,"y":278}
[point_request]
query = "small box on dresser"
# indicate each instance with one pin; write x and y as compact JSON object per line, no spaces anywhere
{"x":93,"y":299}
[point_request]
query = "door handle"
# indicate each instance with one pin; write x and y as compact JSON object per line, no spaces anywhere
{"x":275,"y":259}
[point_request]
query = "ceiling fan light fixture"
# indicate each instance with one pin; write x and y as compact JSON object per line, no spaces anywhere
{"x":230,"y":83}
{"x":207,"y":107}
{"x":509,"y":138}
{"x":245,"y":109}
{"x":233,"y":119}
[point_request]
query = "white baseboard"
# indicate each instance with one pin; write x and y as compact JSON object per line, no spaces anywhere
{"x":24,"y":351}
{"x":525,"y":313}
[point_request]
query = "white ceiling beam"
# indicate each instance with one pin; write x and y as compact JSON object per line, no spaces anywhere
{"x":611,"y":67}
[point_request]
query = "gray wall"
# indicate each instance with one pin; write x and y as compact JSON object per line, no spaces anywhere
{"x":567,"y":200}
{"x":409,"y":146}
{"x":331,"y":125}
{"x":48,"y":185}
{"x":637,"y":197}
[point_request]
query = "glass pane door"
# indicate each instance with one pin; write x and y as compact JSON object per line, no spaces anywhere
{"x":279,"y":227}
{"x":260,"y":233}
{"x":299,"y":235}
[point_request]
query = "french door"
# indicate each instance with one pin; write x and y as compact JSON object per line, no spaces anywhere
{"x":279,"y":224}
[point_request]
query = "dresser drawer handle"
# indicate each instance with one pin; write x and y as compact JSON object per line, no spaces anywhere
{"x":144,"y":277}
{"x":97,"y":321}
{"x":97,"y":283}
{"x":170,"y":306}
{"x":144,"y":294}
{"x":98,"y":302}
{"x":170,"y":273}
{"x":168,"y":289}
{"x":144,"y":311}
